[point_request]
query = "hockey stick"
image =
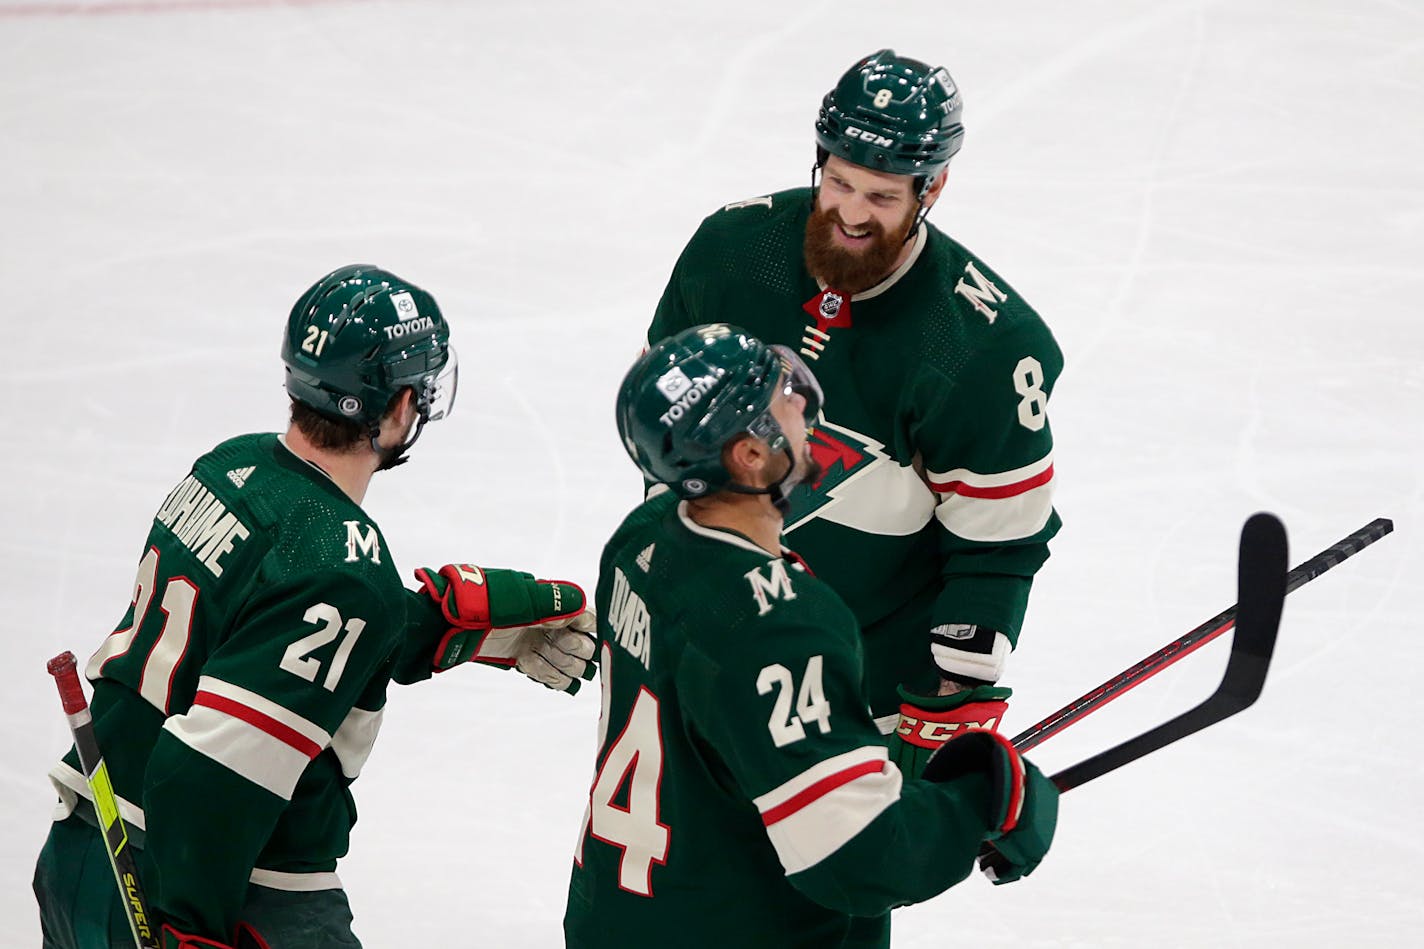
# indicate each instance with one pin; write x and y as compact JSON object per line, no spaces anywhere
{"x":1142,"y":671}
{"x":71,"y":693}
{"x":1261,"y":592}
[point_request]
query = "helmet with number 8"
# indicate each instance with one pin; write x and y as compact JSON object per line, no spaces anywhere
{"x":691,"y":394}
{"x":359,"y":336}
{"x":893,"y":114}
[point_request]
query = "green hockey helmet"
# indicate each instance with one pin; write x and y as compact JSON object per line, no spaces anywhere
{"x":358,"y":337}
{"x":893,"y":114}
{"x":692,"y":393}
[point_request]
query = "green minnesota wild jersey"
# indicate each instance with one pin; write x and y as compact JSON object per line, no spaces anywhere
{"x":936,"y":503}
{"x":743,"y":796}
{"x":243,"y":689}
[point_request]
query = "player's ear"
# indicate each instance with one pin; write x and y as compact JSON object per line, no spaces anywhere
{"x":933,"y":191}
{"x":400,"y":411}
{"x":407,"y":401}
{"x":744,"y":457}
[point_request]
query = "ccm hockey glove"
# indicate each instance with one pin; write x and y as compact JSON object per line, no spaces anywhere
{"x":506,"y":618}
{"x":927,"y":722}
{"x":1023,"y":810}
{"x":247,"y":938}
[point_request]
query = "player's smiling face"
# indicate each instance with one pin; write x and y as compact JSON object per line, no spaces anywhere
{"x":856,"y":233}
{"x":865,"y":206}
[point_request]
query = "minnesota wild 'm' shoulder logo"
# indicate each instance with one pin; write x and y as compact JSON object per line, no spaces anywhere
{"x":845,"y":455}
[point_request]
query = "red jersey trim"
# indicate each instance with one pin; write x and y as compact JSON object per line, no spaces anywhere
{"x":265,"y":723}
{"x":819,"y":790}
{"x":964,"y":489}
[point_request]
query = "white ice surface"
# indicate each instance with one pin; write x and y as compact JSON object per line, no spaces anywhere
{"x":1219,"y":207}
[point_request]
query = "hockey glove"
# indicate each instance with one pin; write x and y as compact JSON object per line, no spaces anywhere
{"x":1023,"y":803}
{"x":969,"y":655}
{"x":927,"y":722}
{"x":247,"y":938}
{"x":507,"y":618}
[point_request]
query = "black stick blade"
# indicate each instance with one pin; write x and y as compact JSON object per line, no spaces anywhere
{"x":1260,"y":595}
{"x":1261,"y":590}
{"x":1193,"y":640}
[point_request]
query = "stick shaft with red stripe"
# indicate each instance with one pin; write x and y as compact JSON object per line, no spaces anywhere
{"x":65,"y":670}
{"x":1135,"y":675}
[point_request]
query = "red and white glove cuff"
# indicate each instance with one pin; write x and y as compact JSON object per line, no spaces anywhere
{"x":465,"y":599}
{"x":926,"y":728}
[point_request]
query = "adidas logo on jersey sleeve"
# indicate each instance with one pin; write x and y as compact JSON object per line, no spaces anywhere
{"x":239,"y":476}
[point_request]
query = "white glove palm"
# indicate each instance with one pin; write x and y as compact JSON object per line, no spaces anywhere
{"x":554,"y":654}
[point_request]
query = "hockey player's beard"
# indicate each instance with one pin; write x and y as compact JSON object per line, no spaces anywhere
{"x":809,"y":472}
{"x":845,"y":270}
{"x":813,"y":472}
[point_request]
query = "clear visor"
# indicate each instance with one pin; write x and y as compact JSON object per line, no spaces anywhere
{"x":439,"y":398}
{"x":797,"y":378}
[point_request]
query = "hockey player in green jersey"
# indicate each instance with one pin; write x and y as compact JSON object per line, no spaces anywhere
{"x":242,"y":691}
{"x":934,"y":509}
{"x":742,"y":795}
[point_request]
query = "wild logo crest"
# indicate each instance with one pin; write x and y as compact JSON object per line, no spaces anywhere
{"x":844,"y":455}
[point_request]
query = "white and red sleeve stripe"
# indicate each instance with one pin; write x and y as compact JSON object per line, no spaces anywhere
{"x":248,"y":734}
{"x":814,"y":814}
{"x":1000,"y":506}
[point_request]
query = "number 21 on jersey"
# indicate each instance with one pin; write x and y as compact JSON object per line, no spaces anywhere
{"x":170,"y":644}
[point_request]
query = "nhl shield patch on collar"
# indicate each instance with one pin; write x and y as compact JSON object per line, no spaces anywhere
{"x":831,"y":310}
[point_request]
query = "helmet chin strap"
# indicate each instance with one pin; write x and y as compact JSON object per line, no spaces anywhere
{"x":925,"y":182}
{"x":921,"y":212}
{"x":394,"y":457}
{"x":778,"y":490}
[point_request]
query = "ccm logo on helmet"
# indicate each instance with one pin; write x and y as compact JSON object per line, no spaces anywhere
{"x":418,"y":325}
{"x":874,"y":138}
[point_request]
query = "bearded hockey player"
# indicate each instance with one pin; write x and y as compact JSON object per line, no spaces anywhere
{"x":742,"y":795}
{"x":934,"y":508}
{"x":242,"y":691}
